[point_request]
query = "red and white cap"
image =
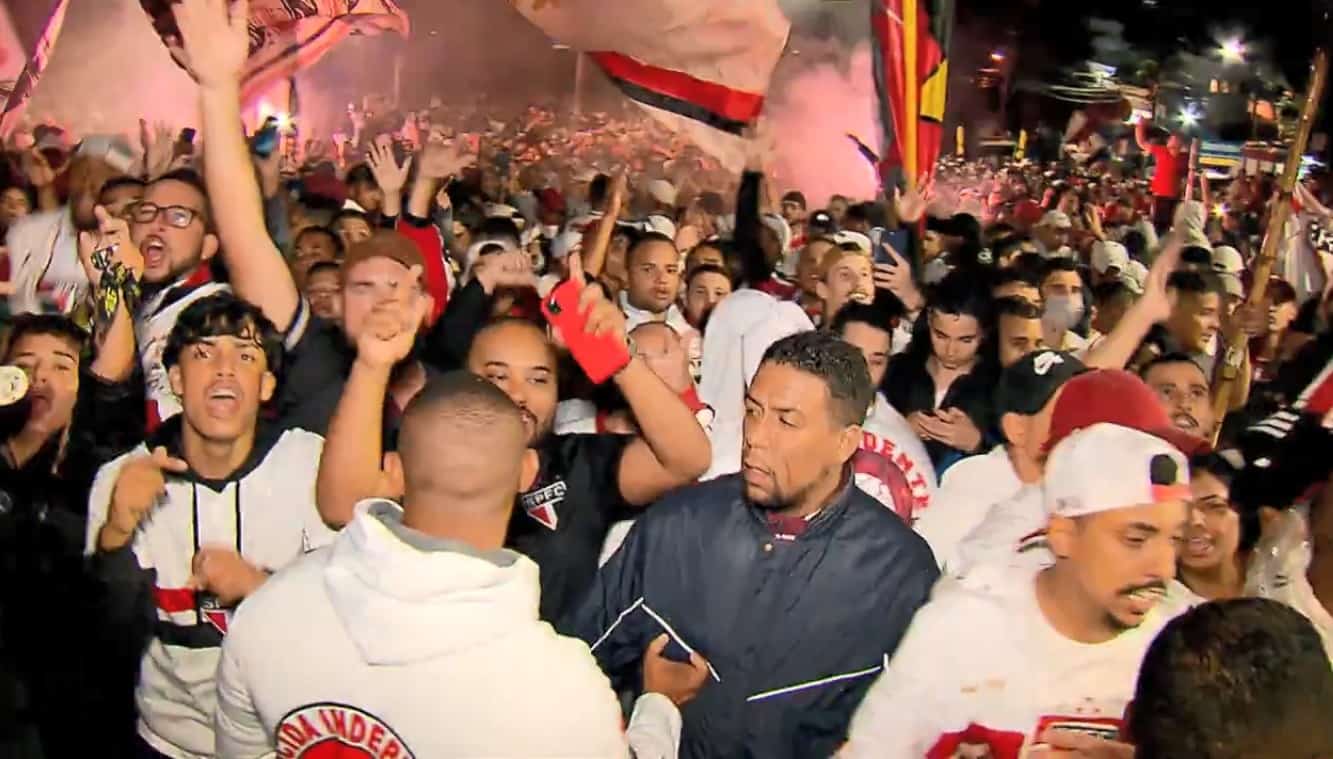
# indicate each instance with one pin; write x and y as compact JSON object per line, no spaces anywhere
{"x":1106,"y":467}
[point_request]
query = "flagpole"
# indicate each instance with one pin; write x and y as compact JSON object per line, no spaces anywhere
{"x":1274,"y":236}
{"x":911,"y":92}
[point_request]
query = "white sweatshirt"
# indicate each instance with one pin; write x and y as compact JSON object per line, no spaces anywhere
{"x":275,"y":506}
{"x":394,"y":644}
{"x":967,"y":491}
{"x":981,"y":667}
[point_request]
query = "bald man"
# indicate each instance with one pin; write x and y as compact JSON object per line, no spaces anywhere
{"x":423,"y":600}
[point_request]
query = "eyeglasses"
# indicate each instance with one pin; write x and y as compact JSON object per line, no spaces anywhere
{"x":179,"y":217}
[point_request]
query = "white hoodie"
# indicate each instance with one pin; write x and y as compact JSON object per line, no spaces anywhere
{"x":402,"y":645}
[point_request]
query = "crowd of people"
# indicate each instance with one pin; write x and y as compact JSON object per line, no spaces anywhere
{"x":444,"y":438}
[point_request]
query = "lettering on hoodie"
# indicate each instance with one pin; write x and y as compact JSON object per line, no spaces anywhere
{"x":874,"y":465}
{"x":337,"y":731}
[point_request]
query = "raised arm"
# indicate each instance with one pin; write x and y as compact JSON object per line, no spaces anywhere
{"x":1141,"y":136}
{"x":114,"y":266}
{"x":594,"y":258}
{"x":216,"y":42}
{"x":349,"y":469}
{"x":1152,"y":307}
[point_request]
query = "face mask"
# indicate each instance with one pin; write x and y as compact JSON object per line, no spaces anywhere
{"x":1211,"y":348}
{"x":1062,"y":312}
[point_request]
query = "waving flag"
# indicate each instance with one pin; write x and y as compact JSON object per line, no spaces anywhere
{"x":17,"y":99}
{"x":912,"y":77}
{"x":689,"y":62}
{"x":287,"y":36}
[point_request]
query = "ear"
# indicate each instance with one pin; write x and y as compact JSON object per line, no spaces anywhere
{"x":1062,"y":536}
{"x":849,"y":440}
{"x":174,"y":377}
{"x":1015,"y":431}
{"x":392,"y":483}
{"x":210,"y":247}
{"x":267,"y":384}
{"x":529,"y":469}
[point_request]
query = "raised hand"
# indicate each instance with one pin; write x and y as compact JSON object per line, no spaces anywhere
{"x":911,"y":205}
{"x":602,"y":316}
{"x":391,"y":328}
{"x":215,"y":39}
{"x":1156,"y":302}
{"x":440,"y":160}
{"x":390,"y":176}
{"x":139,"y":485}
{"x":109,"y":245}
{"x":508,"y":269}
{"x":158,"y":150}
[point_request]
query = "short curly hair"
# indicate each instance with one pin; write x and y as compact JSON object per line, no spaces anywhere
{"x":224,"y":315}
{"x":837,"y":363}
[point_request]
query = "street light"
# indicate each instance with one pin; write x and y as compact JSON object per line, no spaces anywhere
{"x":1232,"y":50}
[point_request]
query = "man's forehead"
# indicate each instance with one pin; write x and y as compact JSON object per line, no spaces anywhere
{"x":172,"y":191}
{"x":513,"y":345}
{"x":1177,"y":372}
{"x":782,"y":386}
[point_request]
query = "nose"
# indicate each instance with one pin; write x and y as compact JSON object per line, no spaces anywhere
{"x":1196,"y":516}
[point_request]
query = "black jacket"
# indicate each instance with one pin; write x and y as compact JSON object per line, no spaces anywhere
{"x":49,"y":601}
{"x":795,"y":630}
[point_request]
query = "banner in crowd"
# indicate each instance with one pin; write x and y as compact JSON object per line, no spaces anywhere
{"x":17,"y":99}
{"x":287,"y":36}
{"x":690,"y":63}
{"x":912,"y":79}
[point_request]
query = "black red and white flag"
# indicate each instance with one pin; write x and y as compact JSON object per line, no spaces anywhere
{"x":689,"y":62}
{"x":287,"y":36}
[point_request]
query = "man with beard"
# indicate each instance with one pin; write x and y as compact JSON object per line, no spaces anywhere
{"x":1018,"y":661}
{"x":1183,"y":388}
{"x":583,"y":480}
{"x":43,"y":246}
{"x":827,"y":578}
{"x":185,"y":526}
{"x":654,"y":273}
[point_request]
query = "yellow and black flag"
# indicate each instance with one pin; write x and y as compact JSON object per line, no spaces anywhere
{"x":912,"y":79}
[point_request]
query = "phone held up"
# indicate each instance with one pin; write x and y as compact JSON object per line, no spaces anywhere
{"x":600,"y":357}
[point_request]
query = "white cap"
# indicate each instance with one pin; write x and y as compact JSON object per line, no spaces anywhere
{"x":1135,"y":275}
{"x":565,"y":243}
{"x":1227,"y":260}
{"x":660,"y":224}
{"x":1057,"y":219}
{"x":1109,"y":255}
{"x":662,"y":191}
{"x":1232,"y":284}
{"x":855,"y":238}
{"x":1106,"y":467}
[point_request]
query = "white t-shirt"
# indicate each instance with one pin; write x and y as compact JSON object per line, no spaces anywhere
{"x":1011,"y":535}
{"x":966,"y":492}
{"x":980,"y":667}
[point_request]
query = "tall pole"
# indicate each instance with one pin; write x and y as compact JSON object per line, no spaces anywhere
{"x":578,"y":83}
{"x":1233,"y":337}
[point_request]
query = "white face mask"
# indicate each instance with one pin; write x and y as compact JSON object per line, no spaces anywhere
{"x":1062,"y":312}
{"x":936,"y":269}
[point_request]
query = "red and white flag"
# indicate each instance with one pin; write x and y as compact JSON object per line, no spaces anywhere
{"x":17,"y":99}
{"x":287,"y":36}
{"x":691,"y":63}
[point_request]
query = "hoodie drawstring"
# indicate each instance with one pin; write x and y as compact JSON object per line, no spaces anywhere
{"x":194,"y":526}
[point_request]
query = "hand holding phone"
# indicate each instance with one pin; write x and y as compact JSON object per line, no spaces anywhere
{"x":588,"y":324}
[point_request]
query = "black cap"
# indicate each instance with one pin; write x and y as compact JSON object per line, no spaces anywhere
{"x":1028,"y":385}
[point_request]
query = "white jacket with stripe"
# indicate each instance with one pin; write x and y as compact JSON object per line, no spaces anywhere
{"x":267,"y":509}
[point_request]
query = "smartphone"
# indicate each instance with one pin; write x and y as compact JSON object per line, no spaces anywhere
{"x":266,"y":139}
{"x":599,"y":357}
{"x":895,"y":239}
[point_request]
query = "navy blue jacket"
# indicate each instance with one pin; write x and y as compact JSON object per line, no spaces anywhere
{"x":795,"y":630}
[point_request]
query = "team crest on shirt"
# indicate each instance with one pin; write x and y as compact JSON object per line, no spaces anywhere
{"x":541,"y":504}
{"x":337,"y":731}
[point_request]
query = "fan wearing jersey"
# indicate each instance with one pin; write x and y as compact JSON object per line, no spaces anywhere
{"x":1019,"y":660}
{"x":185,"y":526}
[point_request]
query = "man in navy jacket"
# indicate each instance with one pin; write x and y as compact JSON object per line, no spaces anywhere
{"x":793,"y":584}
